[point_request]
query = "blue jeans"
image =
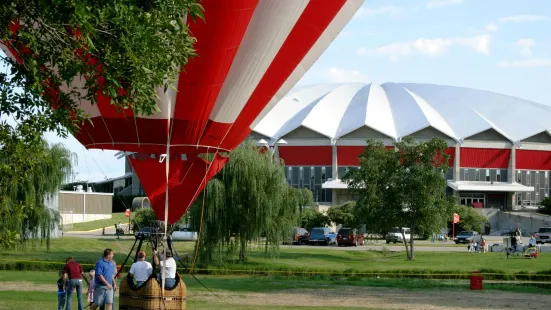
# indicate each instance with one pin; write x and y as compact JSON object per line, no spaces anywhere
{"x":74,"y":283}
{"x":61,"y":300}
{"x":169,"y":283}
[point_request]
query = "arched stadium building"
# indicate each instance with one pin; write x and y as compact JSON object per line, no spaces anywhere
{"x":500,"y":146}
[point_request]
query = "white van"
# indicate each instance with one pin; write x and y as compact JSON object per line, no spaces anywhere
{"x":395,"y":235}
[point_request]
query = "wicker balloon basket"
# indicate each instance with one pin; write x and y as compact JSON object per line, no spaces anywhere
{"x":149,"y":295}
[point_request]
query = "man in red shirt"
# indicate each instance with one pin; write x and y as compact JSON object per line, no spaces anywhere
{"x":74,"y":273}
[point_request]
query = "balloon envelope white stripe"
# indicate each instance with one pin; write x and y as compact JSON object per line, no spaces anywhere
{"x":270,"y":26}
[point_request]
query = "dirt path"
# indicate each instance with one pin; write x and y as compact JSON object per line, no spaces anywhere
{"x":386,"y":298}
{"x":347,"y":296}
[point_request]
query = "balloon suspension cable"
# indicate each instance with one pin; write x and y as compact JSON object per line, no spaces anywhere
{"x":201,"y":221}
{"x":167,"y":171}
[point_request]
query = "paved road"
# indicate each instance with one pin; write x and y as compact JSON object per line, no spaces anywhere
{"x":96,"y":234}
{"x":378,"y":245}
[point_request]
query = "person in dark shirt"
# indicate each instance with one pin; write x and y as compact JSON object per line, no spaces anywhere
{"x":61,"y":291}
{"x":74,"y":274}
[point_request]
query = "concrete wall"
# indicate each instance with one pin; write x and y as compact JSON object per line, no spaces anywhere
{"x":78,"y":207}
{"x":527,"y":221}
{"x":342,"y":196}
{"x":71,"y":218}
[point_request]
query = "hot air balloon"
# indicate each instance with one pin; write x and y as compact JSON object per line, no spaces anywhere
{"x":250,"y":54}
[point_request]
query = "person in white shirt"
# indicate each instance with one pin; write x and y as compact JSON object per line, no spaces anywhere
{"x":141,"y":270}
{"x":170,"y":270}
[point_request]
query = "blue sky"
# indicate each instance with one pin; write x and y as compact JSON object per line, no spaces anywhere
{"x":498,"y":45}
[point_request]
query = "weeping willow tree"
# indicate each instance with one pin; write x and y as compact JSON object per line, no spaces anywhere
{"x":248,"y":200}
{"x":30,"y":172}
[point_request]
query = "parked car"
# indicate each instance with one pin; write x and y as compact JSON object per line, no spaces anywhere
{"x":145,"y":232}
{"x":466,"y":237}
{"x":349,"y":236}
{"x":543,"y":235}
{"x":322,"y":235}
{"x":184,"y":235}
{"x":299,"y":236}
{"x":395,"y":235}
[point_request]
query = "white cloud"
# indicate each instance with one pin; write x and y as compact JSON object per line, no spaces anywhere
{"x":337,"y":75}
{"x":385,"y":10}
{"x":526,"y":63}
{"x":524,"y":18}
{"x":491,"y":28}
{"x":525,"y":46}
{"x":441,"y":3}
{"x":428,"y":47}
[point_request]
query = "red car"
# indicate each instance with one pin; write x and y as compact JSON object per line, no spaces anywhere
{"x":349,"y":236}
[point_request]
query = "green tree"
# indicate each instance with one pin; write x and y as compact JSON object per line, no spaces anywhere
{"x":312,"y":218}
{"x":344,"y":215}
{"x":404,"y":187}
{"x":143,"y":218}
{"x":120,"y":48}
{"x":247,"y":200}
{"x":133,"y":45}
{"x":30,"y":172}
{"x":305,"y":198}
{"x":469,"y":219}
{"x":545,"y":206}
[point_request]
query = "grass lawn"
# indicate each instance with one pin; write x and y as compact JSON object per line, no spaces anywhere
{"x":87,"y":226}
{"x":237,"y":285}
{"x":322,"y":261}
{"x":41,"y":300}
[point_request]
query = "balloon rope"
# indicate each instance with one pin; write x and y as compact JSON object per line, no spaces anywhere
{"x":202,"y":212}
{"x":167,"y":170}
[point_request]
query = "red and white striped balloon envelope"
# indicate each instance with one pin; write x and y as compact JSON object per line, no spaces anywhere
{"x":250,"y":54}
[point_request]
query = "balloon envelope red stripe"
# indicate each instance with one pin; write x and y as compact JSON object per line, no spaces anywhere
{"x":186,"y":180}
{"x":218,"y":40}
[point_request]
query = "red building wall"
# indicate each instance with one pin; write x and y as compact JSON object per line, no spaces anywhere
{"x":349,"y":155}
{"x":485,"y":158}
{"x":533,"y":160}
{"x":306,"y":155}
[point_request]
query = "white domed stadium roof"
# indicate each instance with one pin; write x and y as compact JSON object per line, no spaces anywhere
{"x":401,"y":109}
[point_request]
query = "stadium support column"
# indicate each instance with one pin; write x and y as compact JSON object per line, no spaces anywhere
{"x":457,"y":167}
{"x":512,"y":165}
{"x":335,"y":174}
{"x":511,"y":177}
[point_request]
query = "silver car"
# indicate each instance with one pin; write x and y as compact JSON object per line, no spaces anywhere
{"x":543,"y":235}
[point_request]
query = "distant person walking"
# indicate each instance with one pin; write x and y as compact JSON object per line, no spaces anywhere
{"x":74,"y":274}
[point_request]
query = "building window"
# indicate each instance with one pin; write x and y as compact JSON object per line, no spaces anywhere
{"x":487,"y":175}
{"x":466,"y":175}
{"x":498,"y":176}
{"x":477,"y":175}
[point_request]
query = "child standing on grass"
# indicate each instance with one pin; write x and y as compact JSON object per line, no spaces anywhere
{"x":61,"y":286}
{"x":91,"y":286}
